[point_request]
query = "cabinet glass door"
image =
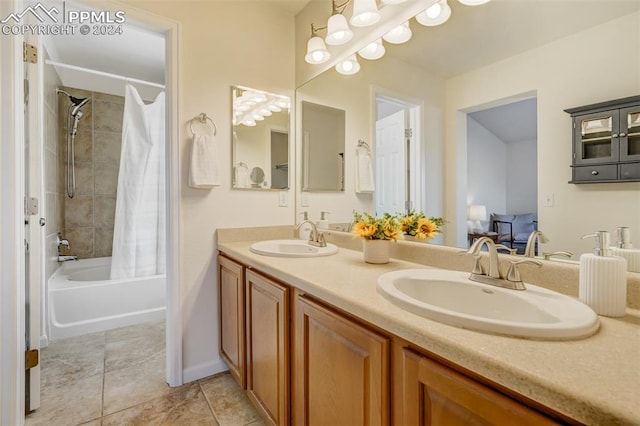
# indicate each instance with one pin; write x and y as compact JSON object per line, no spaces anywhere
{"x":596,"y":137}
{"x":630,"y":133}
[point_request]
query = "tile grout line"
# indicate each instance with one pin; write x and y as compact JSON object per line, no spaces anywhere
{"x":206,"y":398}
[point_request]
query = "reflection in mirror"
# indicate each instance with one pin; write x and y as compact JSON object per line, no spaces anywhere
{"x":323,"y":130}
{"x":260,"y":144}
{"x":453,"y":72}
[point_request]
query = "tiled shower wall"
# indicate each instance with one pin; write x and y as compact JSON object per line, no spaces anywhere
{"x":89,"y":216}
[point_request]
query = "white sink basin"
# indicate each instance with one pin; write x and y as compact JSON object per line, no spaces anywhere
{"x":291,"y":248}
{"x":450,"y":297}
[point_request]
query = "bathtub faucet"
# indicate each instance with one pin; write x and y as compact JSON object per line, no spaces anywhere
{"x":62,"y":242}
{"x":62,"y":258}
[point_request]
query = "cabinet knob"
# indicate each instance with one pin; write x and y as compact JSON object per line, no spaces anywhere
{"x":623,"y":134}
{"x":594,"y":172}
{"x":615,"y":135}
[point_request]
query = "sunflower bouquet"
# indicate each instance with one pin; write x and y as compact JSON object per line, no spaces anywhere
{"x":370,"y":227}
{"x":416,"y":224}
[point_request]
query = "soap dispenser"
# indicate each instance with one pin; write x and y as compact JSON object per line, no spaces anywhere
{"x":304,"y":233}
{"x":323,"y":223}
{"x":624,"y":248}
{"x":603,"y":278}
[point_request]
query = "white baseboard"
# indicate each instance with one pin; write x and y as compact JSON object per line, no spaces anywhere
{"x":203,"y":370}
{"x":44,"y":341}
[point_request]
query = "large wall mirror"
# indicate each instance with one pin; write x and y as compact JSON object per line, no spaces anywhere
{"x":260,"y":139}
{"x":450,"y":83}
{"x":322,"y":148}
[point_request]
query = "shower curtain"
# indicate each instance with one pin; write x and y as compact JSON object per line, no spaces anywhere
{"x":139,"y":228}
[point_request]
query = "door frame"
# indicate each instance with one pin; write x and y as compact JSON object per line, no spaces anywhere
{"x":12,"y":297}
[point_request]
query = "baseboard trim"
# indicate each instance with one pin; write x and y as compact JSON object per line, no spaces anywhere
{"x":203,"y":370}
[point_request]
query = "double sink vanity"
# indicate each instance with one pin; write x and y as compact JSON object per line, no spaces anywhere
{"x":317,"y":336}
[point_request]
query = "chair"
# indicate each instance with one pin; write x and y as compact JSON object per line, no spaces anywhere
{"x":513,"y":229}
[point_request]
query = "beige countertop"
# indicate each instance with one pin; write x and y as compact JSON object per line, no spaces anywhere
{"x":594,"y":380}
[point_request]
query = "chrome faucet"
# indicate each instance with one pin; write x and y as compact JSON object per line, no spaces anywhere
{"x":548,"y":256}
{"x":530,"y":249}
{"x":512,"y":279}
{"x":315,"y":238}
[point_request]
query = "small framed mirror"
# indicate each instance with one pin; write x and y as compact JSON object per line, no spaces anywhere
{"x":260,"y":139}
{"x":323,"y":138}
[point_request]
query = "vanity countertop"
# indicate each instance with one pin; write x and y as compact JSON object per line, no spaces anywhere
{"x":594,"y":380}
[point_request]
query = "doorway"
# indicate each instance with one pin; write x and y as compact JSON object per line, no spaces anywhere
{"x":397,"y":155}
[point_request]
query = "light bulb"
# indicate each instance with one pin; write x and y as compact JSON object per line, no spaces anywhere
{"x":348,"y":66}
{"x":317,"y":52}
{"x":400,"y":34}
{"x":365,"y":13}
{"x":437,"y":14}
{"x":338,"y":31}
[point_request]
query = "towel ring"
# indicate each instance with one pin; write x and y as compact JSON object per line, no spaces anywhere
{"x":202,"y":118}
{"x":363,"y":144}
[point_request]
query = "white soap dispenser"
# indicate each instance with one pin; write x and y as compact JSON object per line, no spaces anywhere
{"x":624,"y":248}
{"x":603,"y":278}
{"x":323,"y":223}
{"x":304,"y":233}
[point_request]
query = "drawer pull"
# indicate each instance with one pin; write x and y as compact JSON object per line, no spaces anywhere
{"x":594,"y":172}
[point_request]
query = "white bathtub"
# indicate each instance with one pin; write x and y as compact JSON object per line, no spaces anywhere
{"x":83,"y":300}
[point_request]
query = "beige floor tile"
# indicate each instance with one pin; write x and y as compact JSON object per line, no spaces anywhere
{"x":96,"y":422}
{"x":186,"y":406}
{"x":128,"y":353}
{"x":152,"y":330}
{"x":71,"y":404}
{"x":134,"y":385}
{"x":66,"y":360}
{"x":228,"y":401}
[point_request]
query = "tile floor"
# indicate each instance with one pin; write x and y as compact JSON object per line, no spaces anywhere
{"x":117,"y":377}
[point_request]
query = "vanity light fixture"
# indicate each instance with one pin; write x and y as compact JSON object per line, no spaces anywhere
{"x":398,"y":35}
{"x":317,"y":52}
{"x":437,"y":14}
{"x":349,"y":66}
{"x":372,"y":51}
{"x":338,"y":31}
{"x":365,"y":13}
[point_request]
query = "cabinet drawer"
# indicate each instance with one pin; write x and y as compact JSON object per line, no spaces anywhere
{"x":630,"y":171}
{"x":595,"y":173}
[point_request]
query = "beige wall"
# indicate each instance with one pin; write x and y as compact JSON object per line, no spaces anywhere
{"x":89,"y":215}
{"x":221,"y":44}
{"x":566,"y":73}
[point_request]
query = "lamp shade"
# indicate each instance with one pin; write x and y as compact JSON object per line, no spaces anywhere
{"x":348,"y":66}
{"x":400,"y":34}
{"x":365,"y":13}
{"x":373,"y":50}
{"x":338,"y":31}
{"x":477,"y":212}
{"x":317,"y":52}
{"x":437,"y":14}
{"x":473,"y":2}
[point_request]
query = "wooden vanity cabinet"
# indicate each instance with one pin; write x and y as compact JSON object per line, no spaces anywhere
{"x":231,"y":302}
{"x":267,"y":327}
{"x":427,"y":392}
{"x":340,"y":370}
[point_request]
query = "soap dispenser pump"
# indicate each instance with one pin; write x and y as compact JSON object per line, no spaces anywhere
{"x":624,"y":248}
{"x":603,"y":278}
{"x":323,"y":223}
{"x":304,"y":233}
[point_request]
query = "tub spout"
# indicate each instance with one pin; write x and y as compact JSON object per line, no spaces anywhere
{"x":62,"y":258}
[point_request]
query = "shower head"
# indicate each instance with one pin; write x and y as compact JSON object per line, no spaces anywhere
{"x":76,"y":102}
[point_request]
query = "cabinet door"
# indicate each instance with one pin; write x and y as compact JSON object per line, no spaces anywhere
{"x":430,"y":393}
{"x":231,"y":317}
{"x":596,"y":137}
{"x":630,"y":134}
{"x":341,"y":373}
{"x":268,"y":347}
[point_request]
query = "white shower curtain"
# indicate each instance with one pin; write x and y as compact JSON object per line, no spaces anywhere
{"x":139,"y":228}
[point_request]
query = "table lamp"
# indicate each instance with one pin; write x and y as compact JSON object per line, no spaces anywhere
{"x":477,"y":213}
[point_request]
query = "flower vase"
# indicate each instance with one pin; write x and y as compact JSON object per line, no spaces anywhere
{"x":376,"y":251}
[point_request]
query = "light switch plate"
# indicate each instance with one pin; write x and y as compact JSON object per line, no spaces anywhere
{"x":283,"y":199}
{"x":547,"y":200}
{"x":304,"y":199}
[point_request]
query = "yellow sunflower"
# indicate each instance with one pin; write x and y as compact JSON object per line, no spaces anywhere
{"x":426,"y":229}
{"x":364,"y":230}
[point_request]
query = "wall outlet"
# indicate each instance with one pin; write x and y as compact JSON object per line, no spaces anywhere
{"x":547,"y":200}
{"x":283,"y":198}
{"x":304,"y":199}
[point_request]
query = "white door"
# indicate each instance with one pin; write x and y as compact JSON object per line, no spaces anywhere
{"x":34,"y":222}
{"x":391,"y":164}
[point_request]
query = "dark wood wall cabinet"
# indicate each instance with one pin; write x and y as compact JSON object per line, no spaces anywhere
{"x":606,"y":141}
{"x":304,"y":362}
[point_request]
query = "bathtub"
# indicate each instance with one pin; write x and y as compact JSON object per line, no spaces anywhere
{"x":82,"y":299}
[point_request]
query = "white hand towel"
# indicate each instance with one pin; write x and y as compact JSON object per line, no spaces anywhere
{"x":364,"y":172}
{"x":203,"y":167}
